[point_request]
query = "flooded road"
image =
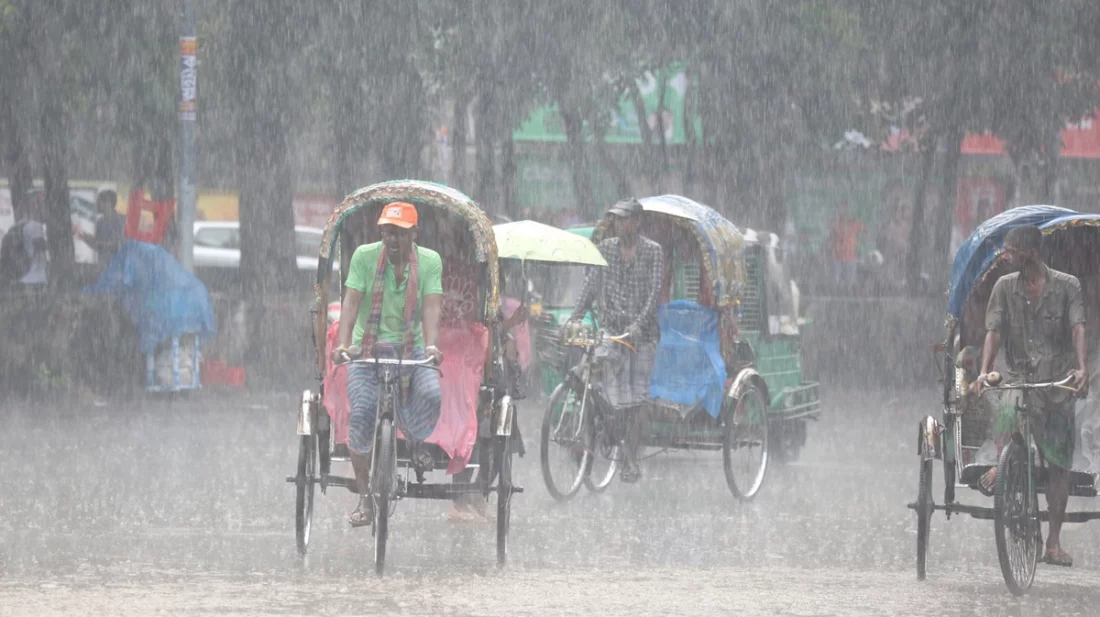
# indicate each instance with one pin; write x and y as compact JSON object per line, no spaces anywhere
{"x":180,"y":507}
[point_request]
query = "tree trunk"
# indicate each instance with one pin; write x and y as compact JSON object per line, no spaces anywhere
{"x":949,"y":200}
{"x":578,"y":161}
{"x":266,"y":212}
{"x":16,"y":158}
{"x":458,"y":140}
{"x":663,"y":168}
{"x":1048,"y":191}
{"x":46,"y":31}
{"x":486,"y":129}
{"x":916,"y":229}
{"x":346,"y":134}
{"x":508,"y":176}
{"x":55,"y":177}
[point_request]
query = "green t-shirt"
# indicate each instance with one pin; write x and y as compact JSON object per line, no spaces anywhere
{"x":361,"y":278}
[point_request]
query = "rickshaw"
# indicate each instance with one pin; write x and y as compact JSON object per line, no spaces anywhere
{"x":706,"y":392}
{"x":961,"y":438}
{"x":769,"y":321}
{"x":478,"y":419}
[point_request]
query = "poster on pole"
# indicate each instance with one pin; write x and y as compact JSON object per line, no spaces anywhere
{"x":188,"y":77}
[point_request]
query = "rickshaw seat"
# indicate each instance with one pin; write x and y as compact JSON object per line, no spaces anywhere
{"x":465,"y":347}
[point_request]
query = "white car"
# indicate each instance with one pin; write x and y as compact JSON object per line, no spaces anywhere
{"x":217,"y":244}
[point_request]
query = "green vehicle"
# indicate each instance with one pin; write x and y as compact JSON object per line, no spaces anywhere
{"x":732,"y":376}
{"x":555,"y":289}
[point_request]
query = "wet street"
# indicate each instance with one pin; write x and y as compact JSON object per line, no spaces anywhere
{"x":180,"y":507}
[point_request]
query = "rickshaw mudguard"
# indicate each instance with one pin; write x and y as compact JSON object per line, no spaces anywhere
{"x":745,"y":378}
{"x":928,"y":439}
{"x":307,"y":413}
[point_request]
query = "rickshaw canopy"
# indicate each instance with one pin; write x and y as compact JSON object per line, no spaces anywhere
{"x":534,"y":241}
{"x":980,"y":251}
{"x":423,"y":195}
{"x":721,"y":243}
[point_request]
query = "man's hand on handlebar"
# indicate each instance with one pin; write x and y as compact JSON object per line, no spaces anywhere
{"x":341,"y":355}
{"x":436,"y":355}
{"x":979,"y":384}
{"x":1080,"y":382}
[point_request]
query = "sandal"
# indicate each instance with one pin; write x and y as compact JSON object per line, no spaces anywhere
{"x":988,"y":482}
{"x":1057,"y":557}
{"x":363,"y":513}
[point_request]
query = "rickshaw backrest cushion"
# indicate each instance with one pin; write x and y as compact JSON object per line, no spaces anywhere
{"x":462,"y":296}
{"x":689,"y":365}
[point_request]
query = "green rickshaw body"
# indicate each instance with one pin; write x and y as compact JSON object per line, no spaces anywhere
{"x":770,"y":323}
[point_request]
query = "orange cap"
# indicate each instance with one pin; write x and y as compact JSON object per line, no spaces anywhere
{"x":400,"y":214}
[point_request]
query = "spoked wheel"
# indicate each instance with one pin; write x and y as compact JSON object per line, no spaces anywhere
{"x":606,"y":455}
{"x":382,"y":481}
{"x":924,"y":515}
{"x":1016,"y":519}
{"x":566,"y":442}
{"x":303,"y":484}
{"x":502,"y":452}
{"x":745,"y":443}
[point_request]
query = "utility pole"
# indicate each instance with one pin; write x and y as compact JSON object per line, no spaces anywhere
{"x":189,"y":81}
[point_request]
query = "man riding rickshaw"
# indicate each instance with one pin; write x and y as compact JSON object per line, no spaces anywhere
{"x":1016,"y":285}
{"x":415,"y":372}
{"x":404,"y":285}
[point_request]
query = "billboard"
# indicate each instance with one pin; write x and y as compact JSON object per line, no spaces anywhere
{"x":675,"y":111}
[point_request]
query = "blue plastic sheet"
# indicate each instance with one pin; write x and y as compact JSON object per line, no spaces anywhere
{"x":162,"y":298}
{"x":689,"y":366}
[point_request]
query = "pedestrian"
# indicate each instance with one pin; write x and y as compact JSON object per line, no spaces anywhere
{"x":110,"y":228}
{"x":844,"y":240}
{"x":23,"y":255}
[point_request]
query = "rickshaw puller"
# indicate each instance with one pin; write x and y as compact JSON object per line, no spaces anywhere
{"x":404,"y":283}
{"x":630,"y":290}
{"x":1039,"y":313}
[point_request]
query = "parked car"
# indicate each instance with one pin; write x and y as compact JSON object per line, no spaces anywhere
{"x":217,"y":244}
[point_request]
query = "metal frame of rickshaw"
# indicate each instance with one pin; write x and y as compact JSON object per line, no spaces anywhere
{"x":496,"y":413}
{"x":720,"y":245}
{"x":974,"y":271}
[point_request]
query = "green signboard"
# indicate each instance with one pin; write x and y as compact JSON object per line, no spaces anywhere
{"x":623,"y":127}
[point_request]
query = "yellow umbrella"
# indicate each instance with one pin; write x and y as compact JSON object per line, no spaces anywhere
{"x":533,"y":241}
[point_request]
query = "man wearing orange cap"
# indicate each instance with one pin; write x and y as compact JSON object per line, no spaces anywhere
{"x":404,"y":285}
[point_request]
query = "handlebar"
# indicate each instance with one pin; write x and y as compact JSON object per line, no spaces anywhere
{"x":597,"y":338}
{"x":994,"y":383}
{"x":355,"y":354}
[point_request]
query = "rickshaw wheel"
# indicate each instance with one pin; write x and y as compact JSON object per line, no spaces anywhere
{"x":303,"y":484}
{"x":580,"y":450}
{"x":382,"y":477}
{"x":1016,"y":519}
{"x":606,"y":448}
{"x":745,"y":428}
{"x":502,"y":446}
{"x":924,"y":516}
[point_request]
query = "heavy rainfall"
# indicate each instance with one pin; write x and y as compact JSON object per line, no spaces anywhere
{"x":717,"y":307}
